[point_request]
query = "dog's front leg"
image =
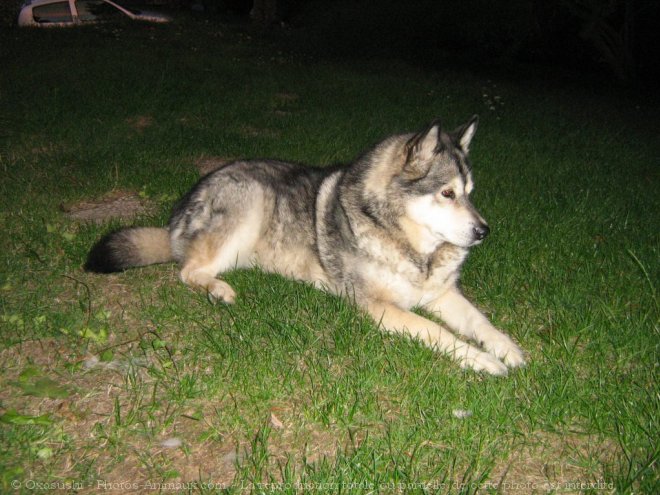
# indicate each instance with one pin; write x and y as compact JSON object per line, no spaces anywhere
{"x":396,"y":320}
{"x":460,"y":315}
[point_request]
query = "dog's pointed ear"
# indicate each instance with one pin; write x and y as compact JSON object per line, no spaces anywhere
{"x":464,"y":134}
{"x":421,"y":148}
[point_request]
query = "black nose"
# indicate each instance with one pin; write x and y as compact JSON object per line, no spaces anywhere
{"x":481,"y":231}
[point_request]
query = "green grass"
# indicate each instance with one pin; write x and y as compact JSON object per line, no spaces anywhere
{"x":291,"y":388}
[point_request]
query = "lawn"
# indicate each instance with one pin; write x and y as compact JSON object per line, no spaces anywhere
{"x":134,"y":382}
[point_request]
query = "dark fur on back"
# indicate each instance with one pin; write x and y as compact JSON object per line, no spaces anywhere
{"x":295,"y":184}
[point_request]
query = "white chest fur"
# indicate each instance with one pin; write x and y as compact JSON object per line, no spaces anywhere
{"x":389,"y":275}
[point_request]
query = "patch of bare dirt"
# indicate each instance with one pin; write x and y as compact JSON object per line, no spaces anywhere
{"x":294,"y":438}
{"x":207,"y":164}
{"x":140,"y":122}
{"x":45,"y":353}
{"x":286,"y":97}
{"x":125,"y":436}
{"x":123,"y":433}
{"x":252,"y":131}
{"x":550,"y":462}
{"x":47,"y":148}
{"x":115,"y":419}
{"x":283,"y":103}
{"x":114,"y":205}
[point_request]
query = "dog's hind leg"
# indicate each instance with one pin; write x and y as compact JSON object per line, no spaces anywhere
{"x":206,"y":257}
{"x":216,"y":251}
{"x":397,"y":320}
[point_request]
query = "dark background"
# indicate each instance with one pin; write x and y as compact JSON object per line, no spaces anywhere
{"x":617,"y":40}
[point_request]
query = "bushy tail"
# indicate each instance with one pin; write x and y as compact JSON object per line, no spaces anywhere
{"x":127,"y":248}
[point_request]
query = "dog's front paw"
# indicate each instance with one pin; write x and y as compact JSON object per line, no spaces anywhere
{"x":514,"y":357}
{"x":482,"y":361}
{"x":506,"y":349}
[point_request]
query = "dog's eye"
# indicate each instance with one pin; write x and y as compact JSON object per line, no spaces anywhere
{"x":448,"y":193}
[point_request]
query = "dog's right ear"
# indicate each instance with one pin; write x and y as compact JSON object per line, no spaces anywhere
{"x":421,"y":149}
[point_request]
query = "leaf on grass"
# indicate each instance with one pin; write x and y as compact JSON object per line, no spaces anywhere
{"x":42,"y":387}
{"x":100,"y":337}
{"x":73,"y":367}
{"x":28,"y":373}
{"x":39,"y":320}
{"x":14,"y":418}
{"x":107,"y":355}
{"x":9,"y":474}
{"x":12,"y":319}
{"x":275,"y":422}
{"x":45,"y":453}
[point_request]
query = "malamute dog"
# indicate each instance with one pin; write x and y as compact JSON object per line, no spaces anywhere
{"x":390,"y":231}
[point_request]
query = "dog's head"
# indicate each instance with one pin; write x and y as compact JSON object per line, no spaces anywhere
{"x":436,"y":182}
